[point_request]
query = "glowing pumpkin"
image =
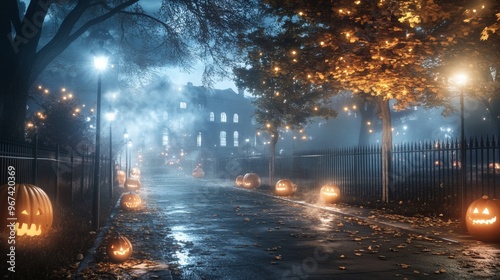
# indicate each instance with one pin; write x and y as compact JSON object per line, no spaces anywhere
{"x":251,"y":181}
{"x":198,"y":172}
{"x":135,"y":172}
{"x":285,"y":187}
{"x":120,"y":177}
{"x":132,"y":184}
{"x":119,"y":248}
{"x":239,"y":181}
{"x":482,"y":219}
{"x":130,"y":201}
{"x":31,"y":211}
{"x":329,"y":193}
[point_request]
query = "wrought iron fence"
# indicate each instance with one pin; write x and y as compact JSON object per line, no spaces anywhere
{"x":66,"y":176}
{"x":424,"y":175}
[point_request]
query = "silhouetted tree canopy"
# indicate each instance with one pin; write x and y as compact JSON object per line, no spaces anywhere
{"x":174,"y":32}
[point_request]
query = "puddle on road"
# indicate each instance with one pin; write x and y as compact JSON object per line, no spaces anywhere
{"x":181,"y":236}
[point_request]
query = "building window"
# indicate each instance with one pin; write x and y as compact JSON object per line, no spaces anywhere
{"x":183,"y":105}
{"x":212,"y":116}
{"x":235,"y":118}
{"x":164,"y":139}
{"x":222,"y":138}
{"x":235,"y":137}
{"x":198,"y":140}
{"x":223,"y":117}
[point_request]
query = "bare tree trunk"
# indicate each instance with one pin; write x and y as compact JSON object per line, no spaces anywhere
{"x":385,"y":116}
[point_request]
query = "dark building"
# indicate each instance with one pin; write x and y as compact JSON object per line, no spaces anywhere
{"x":201,"y":122}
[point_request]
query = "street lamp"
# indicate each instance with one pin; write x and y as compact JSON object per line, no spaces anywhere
{"x":125,"y":137}
{"x":461,"y":80}
{"x":110,"y":116}
{"x":100,"y":63}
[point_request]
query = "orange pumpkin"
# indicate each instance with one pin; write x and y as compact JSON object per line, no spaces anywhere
{"x":251,"y":181}
{"x":483,"y":219}
{"x":132,"y":184}
{"x":329,"y":193}
{"x":239,"y":181}
{"x":285,"y":187}
{"x":30,"y":206}
{"x":130,"y":201}
{"x":119,"y":248}
{"x":198,"y":172}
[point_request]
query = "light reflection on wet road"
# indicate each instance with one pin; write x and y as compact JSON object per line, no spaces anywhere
{"x":221,"y":232}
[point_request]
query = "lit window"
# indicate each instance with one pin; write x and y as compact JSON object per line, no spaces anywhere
{"x":212,"y":116}
{"x":235,"y":118}
{"x":198,"y":140}
{"x":223,"y":117}
{"x":235,"y":137}
{"x":183,"y":105}
{"x":222,"y":138}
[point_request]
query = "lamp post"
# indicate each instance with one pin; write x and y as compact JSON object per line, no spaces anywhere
{"x":125,"y":137}
{"x":461,"y":80}
{"x":129,"y":164}
{"x":110,"y":116}
{"x":100,"y":63}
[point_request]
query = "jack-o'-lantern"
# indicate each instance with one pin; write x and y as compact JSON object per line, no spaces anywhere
{"x":198,"y":172}
{"x":135,"y":172}
{"x":26,"y":209}
{"x":239,"y":181}
{"x":251,"y":181}
{"x":130,"y":201}
{"x":483,"y":219}
{"x":285,"y":187}
{"x":119,"y":248}
{"x":329,"y":193}
{"x":120,"y":177}
{"x":132,"y":184}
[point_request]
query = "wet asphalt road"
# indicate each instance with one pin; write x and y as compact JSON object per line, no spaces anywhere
{"x":223,"y":232}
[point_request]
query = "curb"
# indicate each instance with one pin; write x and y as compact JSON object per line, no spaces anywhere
{"x":97,"y":243}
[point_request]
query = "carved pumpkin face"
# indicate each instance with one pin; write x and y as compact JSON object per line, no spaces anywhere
{"x":239,"y":181}
{"x":132,"y":184}
{"x":285,"y":187}
{"x":198,"y":172}
{"x":482,"y":219}
{"x":329,"y":193}
{"x":119,"y":248}
{"x":251,"y":181}
{"x":120,"y":177}
{"x":33,"y":209}
{"x":130,"y":201}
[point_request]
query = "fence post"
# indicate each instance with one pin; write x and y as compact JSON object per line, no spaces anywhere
{"x":82,"y":179}
{"x":34,"y":174}
{"x":72,"y":176}
{"x":57,"y":176}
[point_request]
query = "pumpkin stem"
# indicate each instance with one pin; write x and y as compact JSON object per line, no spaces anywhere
{"x":485,"y":197}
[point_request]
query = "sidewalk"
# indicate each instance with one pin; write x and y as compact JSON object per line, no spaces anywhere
{"x":146,"y":230}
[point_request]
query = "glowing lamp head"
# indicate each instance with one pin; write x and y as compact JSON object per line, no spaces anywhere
{"x":461,"y":79}
{"x":100,"y":63}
